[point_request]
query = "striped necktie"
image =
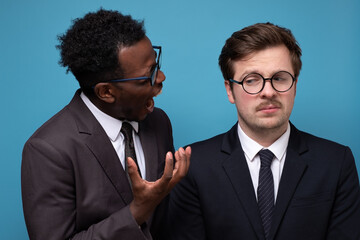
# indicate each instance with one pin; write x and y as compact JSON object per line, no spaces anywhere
{"x":265,"y":190}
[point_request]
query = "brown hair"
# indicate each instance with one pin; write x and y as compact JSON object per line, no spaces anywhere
{"x":255,"y":38}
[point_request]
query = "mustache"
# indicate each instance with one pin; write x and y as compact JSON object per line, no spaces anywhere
{"x":274,"y":103}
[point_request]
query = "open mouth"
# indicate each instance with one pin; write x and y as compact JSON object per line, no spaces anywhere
{"x":158,"y":93}
{"x":150,"y":104}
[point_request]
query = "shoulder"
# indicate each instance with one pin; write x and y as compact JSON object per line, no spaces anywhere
{"x":64,"y":121}
{"x":158,"y":118}
{"x":321,"y":144}
{"x":207,"y":155}
{"x":223,"y":143}
{"x":66,"y":127}
{"x":320,"y":152}
{"x":60,"y":123}
{"x":49,"y":141}
{"x":157,"y":123}
{"x":210,"y":144}
{"x":158,"y":113}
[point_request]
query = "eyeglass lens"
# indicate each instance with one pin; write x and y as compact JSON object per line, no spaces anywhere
{"x":157,"y":67}
{"x":280,"y":81}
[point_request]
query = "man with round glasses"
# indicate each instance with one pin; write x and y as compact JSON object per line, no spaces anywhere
{"x":264,"y":179}
{"x":99,"y":168}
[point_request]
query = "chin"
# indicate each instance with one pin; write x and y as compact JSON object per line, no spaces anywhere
{"x":136,"y":116}
{"x":275,"y":124}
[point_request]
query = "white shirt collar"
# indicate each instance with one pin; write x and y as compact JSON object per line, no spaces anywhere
{"x":251,"y":148}
{"x":112,"y":126}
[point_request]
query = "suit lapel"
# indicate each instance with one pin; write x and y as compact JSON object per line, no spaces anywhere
{"x":238,"y":173}
{"x":294,"y":169}
{"x":149,"y":145}
{"x":94,"y":134}
{"x":111,"y":165}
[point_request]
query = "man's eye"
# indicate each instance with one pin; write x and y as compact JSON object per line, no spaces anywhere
{"x":252,"y":81}
{"x":278,"y":79}
{"x":143,"y":81}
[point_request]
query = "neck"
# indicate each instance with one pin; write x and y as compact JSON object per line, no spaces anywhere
{"x":264,"y":136}
{"x":101,"y":105}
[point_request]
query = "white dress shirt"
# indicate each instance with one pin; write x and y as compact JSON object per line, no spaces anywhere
{"x":251,"y":149}
{"x":112,"y":127}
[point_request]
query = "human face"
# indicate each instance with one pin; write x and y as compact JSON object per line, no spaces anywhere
{"x":134,"y":99}
{"x":269,"y":110}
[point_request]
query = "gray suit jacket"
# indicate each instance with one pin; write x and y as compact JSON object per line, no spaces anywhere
{"x":73,"y":184}
{"x":318,"y":196}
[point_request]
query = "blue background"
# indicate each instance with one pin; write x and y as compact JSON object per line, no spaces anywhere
{"x":192,"y":33}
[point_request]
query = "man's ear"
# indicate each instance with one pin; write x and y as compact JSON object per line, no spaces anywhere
{"x":105,"y":92}
{"x":229,"y":91}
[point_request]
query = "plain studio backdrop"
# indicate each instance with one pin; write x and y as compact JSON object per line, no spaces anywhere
{"x":34,"y":87}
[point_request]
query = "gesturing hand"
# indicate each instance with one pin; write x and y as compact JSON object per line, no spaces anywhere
{"x":147,"y":195}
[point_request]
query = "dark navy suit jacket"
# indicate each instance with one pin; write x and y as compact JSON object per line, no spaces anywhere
{"x":318,"y":196}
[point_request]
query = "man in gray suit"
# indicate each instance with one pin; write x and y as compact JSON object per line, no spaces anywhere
{"x":76,"y":180}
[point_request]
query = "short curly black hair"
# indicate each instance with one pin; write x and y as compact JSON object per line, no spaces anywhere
{"x":89,"y":48}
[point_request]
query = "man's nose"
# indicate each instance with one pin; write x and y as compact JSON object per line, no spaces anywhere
{"x":160,"y":77}
{"x":268,"y":89}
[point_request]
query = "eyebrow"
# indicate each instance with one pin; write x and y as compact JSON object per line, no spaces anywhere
{"x":259,"y":72}
{"x":242,"y":76}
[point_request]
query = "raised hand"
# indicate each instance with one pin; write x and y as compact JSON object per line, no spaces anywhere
{"x":147,"y":195}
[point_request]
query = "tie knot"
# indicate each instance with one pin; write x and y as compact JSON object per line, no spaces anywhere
{"x":266,"y":157}
{"x":126,"y":129}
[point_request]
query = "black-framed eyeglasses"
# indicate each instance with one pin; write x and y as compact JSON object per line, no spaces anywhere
{"x":254,"y":83}
{"x":153,"y":74}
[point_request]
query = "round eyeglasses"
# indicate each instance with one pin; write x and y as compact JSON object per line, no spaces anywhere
{"x":254,"y":83}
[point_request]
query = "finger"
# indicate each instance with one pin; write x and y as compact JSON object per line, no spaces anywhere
{"x":133,"y":171}
{"x":163,"y":182}
{"x":169,"y":165}
{"x":188,"y":156}
{"x":182,"y":161}
{"x":177,"y":158}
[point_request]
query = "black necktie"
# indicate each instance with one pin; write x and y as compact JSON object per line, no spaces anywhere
{"x":126,"y":130}
{"x":265,"y":190}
